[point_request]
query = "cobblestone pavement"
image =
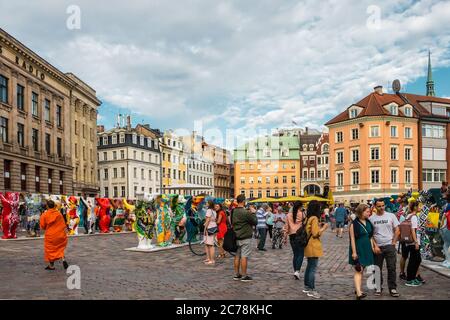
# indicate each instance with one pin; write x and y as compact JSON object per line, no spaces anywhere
{"x":110,"y":272}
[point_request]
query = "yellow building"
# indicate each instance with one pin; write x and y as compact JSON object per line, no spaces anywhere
{"x":174,"y":162}
{"x":268,"y":167}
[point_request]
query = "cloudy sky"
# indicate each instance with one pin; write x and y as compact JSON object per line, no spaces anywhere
{"x":236,"y":65}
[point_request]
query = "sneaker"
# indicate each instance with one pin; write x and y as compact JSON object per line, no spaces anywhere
{"x":402,"y":276}
{"x":297,"y":275}
{"x":247,"y":279}
{"x":394,"y":293}
{"x":307,"y":290}
{"x":413,"y":283}
{"x":313,"y":294}
{"x":378,"y":292}
{"x":419,"y":278}
{"x":237,"y":277}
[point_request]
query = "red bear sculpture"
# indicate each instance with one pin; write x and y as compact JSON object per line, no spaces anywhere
{"x":104,"y":216}
{"x":10,"y":214}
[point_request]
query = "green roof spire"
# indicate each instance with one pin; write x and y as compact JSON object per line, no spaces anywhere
{"x":430,"y":82}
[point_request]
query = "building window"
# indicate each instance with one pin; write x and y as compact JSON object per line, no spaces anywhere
{"x":23,"y":176}
{"x":375,"y":176}
{"x":122,"y":154}
{"x":106,"y":192}
{"x":114,"y":155}
{"x":7,"y":174}
{"x":267,"y":193}
{"x":259,"y":180}
{"x":20,"y":97}
{"x":47,"y":110}
{"x":134,"y":139}
{"x":353,"y":113}
{"x":394,"y":110}
{"x":37,"y":179}
{"x":59,"y":116}
{"x":122,"y":172}
{"x":355,"y":155}
{"x":106,"y":174}
{"x":393,"y":175}
{"x":305,"y":174}
{"x":339,"y":157}
{"x":339,"y":136}
{"x":408,"y":176}
{"x":122,"y":191}
{"x":47,"y":143}
{"x":433,"y":131}
{"x":61,"y":182}
{"x":434,"y":154}
{"x":142,"y":174}
{"x":393,"y":131}
{"x":35,"y":139}
{"x":105,"y":156}
{"x":408,"y":156}
{"x":59,"y":147}
{"x":434,"y":175}
{"x":50,"y":185}
{"x":340,"y":179}
{"x":4,"y":129}
{"x":408,"y":134}
{"x":408,"y":111}
{"x":276,"y":193}
{"x":374,"y":131}
{"x":115,"y":193}
{"x":355,"y":178}
{"x":105,"y":140}
{"x":251,"y":193}
{"x":141,"y":140}
{"x":355,"y":134}
{"x":114,"y":173}
{"x":293,"y":193}
{"x":35,"y":104}
{"x":292,"y":179}
{"x":394,"y":153}
{"x":275,"y":179}
{"x":284,"y":193}
{"x":3,"y":89}
{"x":284,"y":179}
{"x":21,"y":134}
{"x":375,"y":153}
{"x":122,"y":138}
{"x":114,"y":139}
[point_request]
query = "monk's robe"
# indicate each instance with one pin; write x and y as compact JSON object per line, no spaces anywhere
{"x":55,"y":238}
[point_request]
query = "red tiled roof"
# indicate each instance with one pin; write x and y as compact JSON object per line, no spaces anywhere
{"x":373,"y":105}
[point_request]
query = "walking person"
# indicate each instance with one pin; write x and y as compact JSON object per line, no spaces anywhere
{"x":262,"y":226}
{"x":326,"y":211}
{"x":361,"y":246}
{"x":269,"y":221}
{"x":294,"y":222}
{"x":280,"y":221}
{"x":242,"y":221}
{"x":55,"y":237}
{"x":222,"y":228}
{"x":313,"y":250}
{"x":412,"y":249}
{"x":385,"y":234}
{"x":341,"y":216}
{"x":210,"y":232}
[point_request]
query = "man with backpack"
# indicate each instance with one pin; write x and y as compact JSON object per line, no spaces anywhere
{"x":385,"y":235}
{"x":242,"y":221}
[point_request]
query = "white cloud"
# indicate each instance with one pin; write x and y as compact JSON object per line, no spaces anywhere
{"x":238,"y":64}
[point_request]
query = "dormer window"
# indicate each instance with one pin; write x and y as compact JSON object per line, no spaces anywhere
{"x":141,"y":142}
{"x":122,"y":138}
{"x":353,"y":113}
{"x":394,"y":110}
{"x":311,"y":147}
{"x":305,"y":147}
{"x":114,"y":139}
{"x":408,"y":111}
{"x":285,"y":152}
{"x":105,"y":140}
{"x":267,"y":152}
{"x":134,"y":139}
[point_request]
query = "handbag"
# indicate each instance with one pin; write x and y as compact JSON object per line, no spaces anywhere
{"x":212,"y":231}
{"x":230,"y":240}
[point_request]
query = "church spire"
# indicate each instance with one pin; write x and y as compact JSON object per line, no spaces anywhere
{"x":430,"y":82}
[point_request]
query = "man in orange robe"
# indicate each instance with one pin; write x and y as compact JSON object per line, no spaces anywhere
{"x":55,"y":238}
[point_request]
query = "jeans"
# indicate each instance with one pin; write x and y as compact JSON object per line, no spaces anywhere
{"x":390,"y":254}
{"x":413,"y":263}
{"x":269,"y":228}
{"x":262,"y":238}
{"x":310,"y":273}
{"x":298,"y":252}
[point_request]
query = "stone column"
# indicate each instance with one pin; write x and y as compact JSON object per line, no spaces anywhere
{"x":31,"y":177}
{"x":44,"y":179}
{"x":15,"y":176}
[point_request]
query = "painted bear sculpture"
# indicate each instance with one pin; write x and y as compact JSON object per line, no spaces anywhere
{"x":144,"y":224}
{"x":163,"y":221}
{"x":104,"y":214}
{"x":10,"y":214}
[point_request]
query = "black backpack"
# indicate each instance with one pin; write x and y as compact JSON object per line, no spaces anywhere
{"x":230,"y":240}
{"x":301,"y":238}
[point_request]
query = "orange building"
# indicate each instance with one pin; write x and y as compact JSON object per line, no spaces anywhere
{"x":374,"y":148}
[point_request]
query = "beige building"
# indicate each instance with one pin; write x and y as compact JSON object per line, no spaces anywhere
{"x":222,"y":172}
{"x":174,"y":163}
{"x":35,"y":121}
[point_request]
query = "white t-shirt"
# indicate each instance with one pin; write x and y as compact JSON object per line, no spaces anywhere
{"x":212,"y":215}
{"x":327,"y":212}
{"x":383,"y":228}
{"x":414,"y":225}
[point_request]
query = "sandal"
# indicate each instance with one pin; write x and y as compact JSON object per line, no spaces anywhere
{"x":210,"y":263}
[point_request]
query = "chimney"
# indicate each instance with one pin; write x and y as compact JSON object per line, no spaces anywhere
{"x":100,"y":128}
{"x":378,"y":89}
{"x":306,"y":130}
{"x":128,"y":122}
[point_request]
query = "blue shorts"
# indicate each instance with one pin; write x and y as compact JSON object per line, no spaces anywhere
{"x":339,"y":224}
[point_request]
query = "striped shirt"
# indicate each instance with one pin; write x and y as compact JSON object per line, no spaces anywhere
{"x":261,"y":216}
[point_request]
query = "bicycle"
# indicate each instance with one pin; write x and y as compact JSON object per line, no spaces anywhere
{"x":197,"y":246}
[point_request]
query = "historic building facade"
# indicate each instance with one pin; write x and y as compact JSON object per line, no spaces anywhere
{"x":129,"y":162}
{"x":174,"y":162}
{"x":222,"y":172}
{"x":268,"y":166}
{"x":36,"y":140}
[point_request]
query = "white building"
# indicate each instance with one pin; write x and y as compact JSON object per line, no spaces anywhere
{"x":201,"y":173}
{"x":129,"y":161}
